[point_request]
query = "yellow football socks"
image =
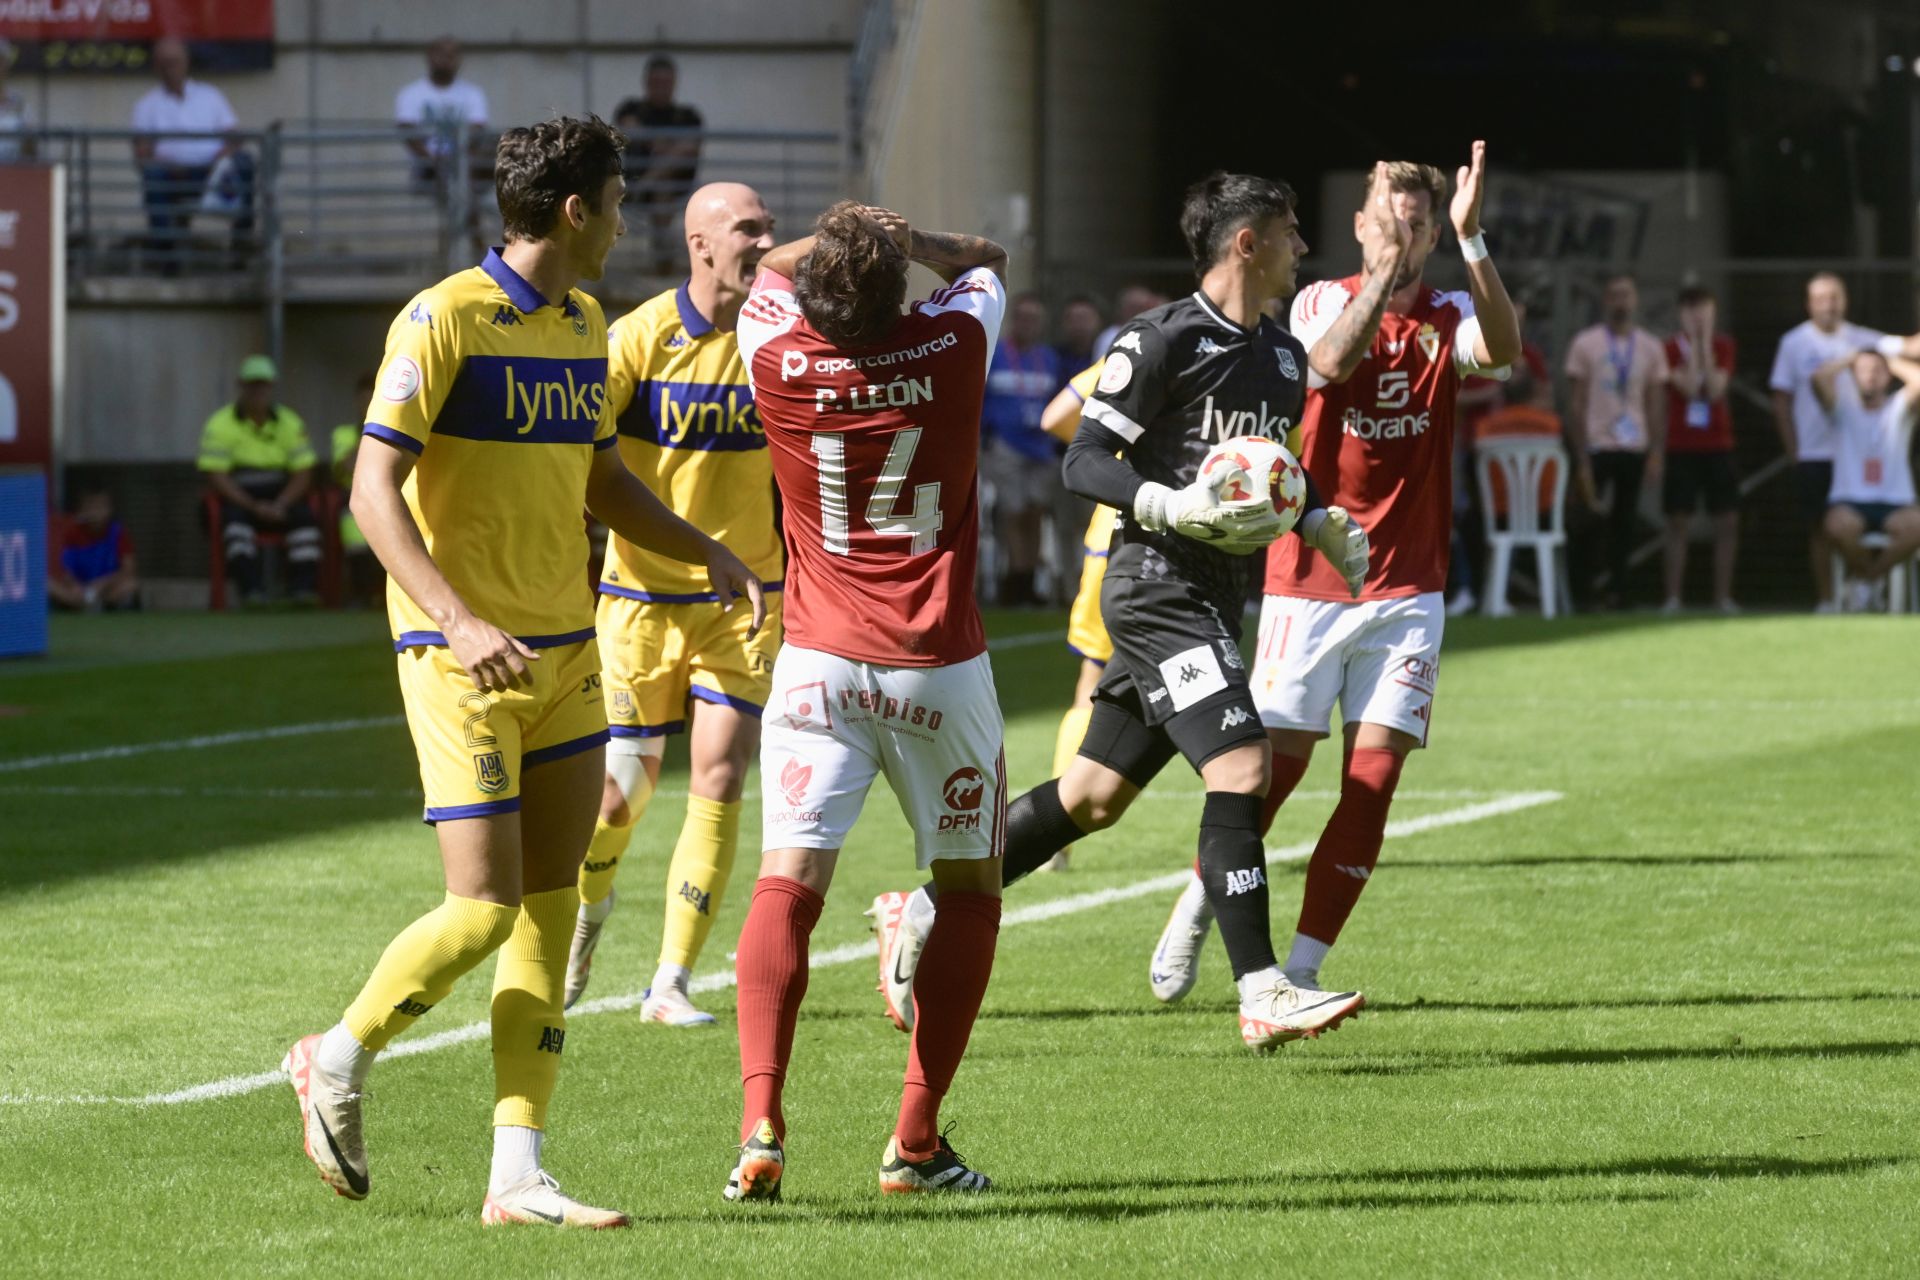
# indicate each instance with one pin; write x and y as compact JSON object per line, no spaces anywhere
{"x":1073,"y":731}
{"x":603,"y":860}
{"x":697,"y":877}
{"x":529,"y":1019}
{"x":420,"y":966}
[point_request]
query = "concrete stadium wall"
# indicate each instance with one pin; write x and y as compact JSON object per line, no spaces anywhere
{"x":745,"y":63}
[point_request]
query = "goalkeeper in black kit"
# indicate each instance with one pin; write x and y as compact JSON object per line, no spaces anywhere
{"x":1177,"y":381}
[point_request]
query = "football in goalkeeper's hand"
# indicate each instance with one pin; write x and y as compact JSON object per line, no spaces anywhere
{"x":1247,"y":467}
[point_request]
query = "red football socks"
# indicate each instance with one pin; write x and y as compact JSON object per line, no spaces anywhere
{"x":1349,"y":848}
{"x":947,"y":989}
{"x":771,"y":967}
{"x":1287,"y":772}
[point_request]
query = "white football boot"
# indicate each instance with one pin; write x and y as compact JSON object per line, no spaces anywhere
{"x":944,"y":1170}
{"x":1176,"y":957}
{"x":536,"y":1200}
{"x":586,"y":938}
{"x":900,"y":947}
{"x":1274,"y":1011}
{"x":671,"y":1007}
{"x":329,"y":1122}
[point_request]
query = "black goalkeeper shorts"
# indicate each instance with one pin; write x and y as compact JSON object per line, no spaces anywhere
{"x":1176,"y":681}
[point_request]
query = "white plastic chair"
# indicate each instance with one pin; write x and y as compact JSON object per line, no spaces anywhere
{"x":1521,"y":462}
{"x":1900,"y":599}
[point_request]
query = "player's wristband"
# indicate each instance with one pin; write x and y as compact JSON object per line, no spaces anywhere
{"x":1150,"y":507}
{"x":1474,"y":248}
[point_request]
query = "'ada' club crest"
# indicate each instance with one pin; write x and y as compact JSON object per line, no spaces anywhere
{"x":490,"y":772}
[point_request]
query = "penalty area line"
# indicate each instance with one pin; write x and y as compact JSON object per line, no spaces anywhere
{"x":1071,"y":904}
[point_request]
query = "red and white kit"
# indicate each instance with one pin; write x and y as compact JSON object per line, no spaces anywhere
{"x":884,"y":669}
{"x":1379,"y":444}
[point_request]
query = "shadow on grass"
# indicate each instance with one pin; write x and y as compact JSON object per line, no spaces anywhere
{"x":1637,"y":860}
{"x":1721,"y":1000}
{"x":1709,"y":1167}
{"x":1009,"y":1201}
{"x":1425,"y":1063}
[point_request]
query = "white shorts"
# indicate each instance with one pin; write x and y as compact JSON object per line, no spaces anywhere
{"x":1379,"y":658}
{"x":832,"y":724}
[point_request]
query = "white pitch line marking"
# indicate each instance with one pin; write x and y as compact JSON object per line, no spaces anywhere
{"x":204,"y":741}
{"x":200,"y":743}
{"x":1072,"y":904}
{"x":664,"y":793}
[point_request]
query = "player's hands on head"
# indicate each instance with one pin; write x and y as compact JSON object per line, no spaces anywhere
{"x":1469,"y":187}
{"x":895,"y":226}
{"x":731,"y":579}
{"x":494,"y":660}
{"x":1334,"y":535}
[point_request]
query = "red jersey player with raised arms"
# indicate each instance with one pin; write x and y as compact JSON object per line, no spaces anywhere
{"x":1385,"y":370}
{"x":873,"y":421}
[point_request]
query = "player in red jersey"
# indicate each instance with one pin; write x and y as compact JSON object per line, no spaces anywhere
{"x":1386,"y":354}
{"x":873,"y":422}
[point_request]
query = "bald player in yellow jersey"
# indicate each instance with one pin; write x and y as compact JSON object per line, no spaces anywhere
{"x":676,"y":661}
{"x":487,"y":435}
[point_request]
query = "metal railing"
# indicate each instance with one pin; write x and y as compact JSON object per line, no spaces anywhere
{"x":332,"y":209}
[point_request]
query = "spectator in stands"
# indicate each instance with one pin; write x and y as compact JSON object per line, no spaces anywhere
{"x":1872,"y":476}
{"x":1806,"y":432}
{"x":1080,"y":324}
{"x":16,"y":117}
{"x":660,"y":169}
{"x":175,"y":170}
{"x":1133,"y":299}
{"x":1021,"y":461}
{"x":437,"y":113}
{"x":1700,"y":446}
{"x":1618,"y":373}
{"x":366,"y":581}
{"x":259,"y":462}
{"x":93,"y":566}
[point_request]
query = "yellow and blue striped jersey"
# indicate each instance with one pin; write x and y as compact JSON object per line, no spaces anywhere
{"x":503,"y":397}
{"x":689,"y":430}
{"x":1100,"y":527}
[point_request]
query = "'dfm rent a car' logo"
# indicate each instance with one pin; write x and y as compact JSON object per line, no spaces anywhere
{"x":962,"y":794}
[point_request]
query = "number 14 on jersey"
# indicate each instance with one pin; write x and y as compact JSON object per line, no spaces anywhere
{"x":921,"y":525}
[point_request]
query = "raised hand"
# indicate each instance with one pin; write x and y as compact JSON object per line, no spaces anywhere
{"x":1385,"y":237}
{"x":1469,"y":186}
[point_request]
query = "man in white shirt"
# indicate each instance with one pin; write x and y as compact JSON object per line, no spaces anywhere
{"x":1872,"y":491}
{"x":194,"y":124}
{"x":1806,"y":430}
{"x":438,"y":107}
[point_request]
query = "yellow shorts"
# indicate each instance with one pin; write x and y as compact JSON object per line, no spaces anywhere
{"x":659,"y":655}
{"x":1086,"y":629}
{"x":473,"y":746}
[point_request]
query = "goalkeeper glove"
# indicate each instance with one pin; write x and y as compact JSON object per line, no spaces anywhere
{"x":1334,"y":535}
{"x":1196,"y":512}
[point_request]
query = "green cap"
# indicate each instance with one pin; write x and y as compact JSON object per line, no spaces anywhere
{"x":258,"y":369}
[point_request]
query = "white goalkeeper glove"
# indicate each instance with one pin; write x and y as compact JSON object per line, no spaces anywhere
{"x":1196,"y":512}
{"x":1334,"y":535}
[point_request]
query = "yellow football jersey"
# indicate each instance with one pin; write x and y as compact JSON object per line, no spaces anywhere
{"x":503,"y":397}
{"x":689,"y":429}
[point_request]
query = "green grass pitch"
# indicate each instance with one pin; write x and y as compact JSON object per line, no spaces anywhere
{"x":1667,"y":1023}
